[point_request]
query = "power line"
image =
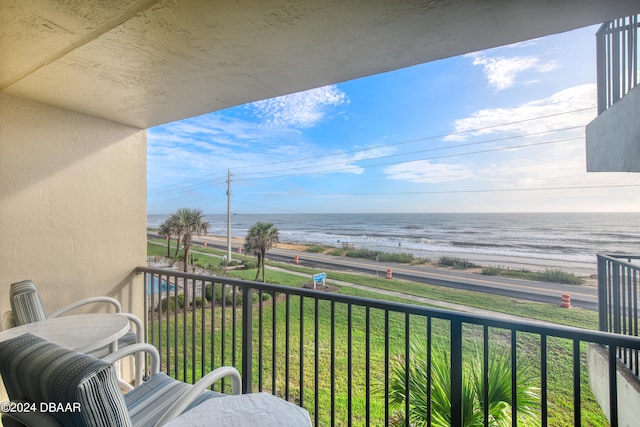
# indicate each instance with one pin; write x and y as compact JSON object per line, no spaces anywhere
{"x":448,"y":147}
{"x":393,"y":144}
{"x":374,"y":147}
{"x":405,"y":193}
{"x":315,"y":172}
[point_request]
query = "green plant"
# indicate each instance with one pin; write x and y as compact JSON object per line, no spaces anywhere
{"x":260,"y":238}
{"x":249,"y":265}
{"x":559,"y":276}
{"x":457,"y":263}
{"x":168,"y":304}
{"x":499,"y":375}
{"x":315,"y":249}
{"x":215,"y":295}
{"x":492,"y":271}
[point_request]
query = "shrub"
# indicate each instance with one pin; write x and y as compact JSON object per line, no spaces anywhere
{"x":266,"y":296}
{"x":315,"y":249}
{"x":362,"y":253}
{"x":168,"y":303}
{"x":492,"y":271}
{"x":403,"y":257}
{"x":215,"y":295}
{"x":559,"y":276}
{"x":250,"y":265}
{"x":457,"y":263}
{"x":199,"y":302}
{"x":499,"y":381}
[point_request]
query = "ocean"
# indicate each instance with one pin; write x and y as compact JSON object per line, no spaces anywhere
{"x":553,"y":240}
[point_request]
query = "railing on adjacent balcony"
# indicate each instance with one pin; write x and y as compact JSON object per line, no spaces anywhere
{"x":618,"y":47}
{"x":351,"y":360}
{"x":618,"y":301}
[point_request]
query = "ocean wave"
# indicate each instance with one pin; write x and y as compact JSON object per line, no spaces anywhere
{"x":561,"y":237}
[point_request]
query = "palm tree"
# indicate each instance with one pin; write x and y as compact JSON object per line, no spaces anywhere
{"x":177,"y":230}
{"x":260,"y":238}
{"x":166,"y":232}
{"x":499,"y":375}
{"x":189,"y":222}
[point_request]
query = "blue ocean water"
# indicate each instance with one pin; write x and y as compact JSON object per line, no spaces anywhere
{"x":561,"y":237}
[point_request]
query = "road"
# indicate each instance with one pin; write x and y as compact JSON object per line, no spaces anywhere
{"x":551,"y":293}
{"x":581,"y":296}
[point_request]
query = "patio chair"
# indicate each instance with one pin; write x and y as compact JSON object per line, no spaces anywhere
{"x":84,"y":391}
{"x":27,"y":307}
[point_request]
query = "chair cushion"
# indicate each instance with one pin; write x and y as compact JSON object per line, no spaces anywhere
{"x":36,"y":370}
{"x":26,"y":303}
{"x":127,"y":339}
{"x":150,"y":400}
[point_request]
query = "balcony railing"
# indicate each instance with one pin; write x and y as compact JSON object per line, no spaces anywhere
{"x":618,"y":301}
{"x":618,"y":47}
{"x":339,"y":356}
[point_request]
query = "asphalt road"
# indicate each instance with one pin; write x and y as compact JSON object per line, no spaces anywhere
{"x":551,"y":293}
{"x":581,"y":296}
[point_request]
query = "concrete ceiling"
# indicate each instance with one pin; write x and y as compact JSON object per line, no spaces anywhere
{"x":148,"y":62}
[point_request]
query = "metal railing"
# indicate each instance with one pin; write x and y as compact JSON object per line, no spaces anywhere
{"x":618,"y":301}
{"x":344,"y":358}
{"x":618,"y":47}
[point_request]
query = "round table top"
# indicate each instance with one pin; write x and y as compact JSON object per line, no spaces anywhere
{"x":80,"y":332}
{"x":253,"y":409}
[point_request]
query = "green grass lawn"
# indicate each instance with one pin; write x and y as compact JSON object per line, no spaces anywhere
{"x":200,"y":323}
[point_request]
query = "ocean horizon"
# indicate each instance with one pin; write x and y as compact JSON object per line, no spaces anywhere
{"x":554,"y":240}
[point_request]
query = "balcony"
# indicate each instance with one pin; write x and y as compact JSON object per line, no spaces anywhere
{"x":612,"y":137}
{"x":350,"y":360}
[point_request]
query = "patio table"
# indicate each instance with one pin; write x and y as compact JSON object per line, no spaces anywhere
{"x":254,"y":409}
{"x":80,"y":332}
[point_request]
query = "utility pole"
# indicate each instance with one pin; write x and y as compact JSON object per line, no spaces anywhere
{"x":228,"y":216}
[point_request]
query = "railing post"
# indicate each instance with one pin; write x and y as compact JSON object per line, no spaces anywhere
{"x":616,"y":300}
{"x":613,"y":387}
{"x":456,"y":373}
{"x":601,"y":74}
{"x":602,"y":294}
{"x":247,"y":339}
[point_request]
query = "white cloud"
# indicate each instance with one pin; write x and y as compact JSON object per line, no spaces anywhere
{"x":302,"y":109}
{"x":517,"y":120}
{"x":424,"y":171}
{"x":501,"y":72}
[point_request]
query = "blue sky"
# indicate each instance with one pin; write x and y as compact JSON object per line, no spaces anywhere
{"x":500,"y":130}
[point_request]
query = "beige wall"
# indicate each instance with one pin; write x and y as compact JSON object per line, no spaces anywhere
{"x":612,"y":137}
{"x":72,"y":204}
{"x":628,"y":386}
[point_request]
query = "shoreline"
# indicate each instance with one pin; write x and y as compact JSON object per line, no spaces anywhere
{"x":583,"y":269}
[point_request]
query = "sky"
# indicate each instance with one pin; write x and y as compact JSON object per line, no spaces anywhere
{"x":501,"y":130}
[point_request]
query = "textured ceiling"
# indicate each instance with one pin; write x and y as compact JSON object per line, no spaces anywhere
{"x":148,"y":62}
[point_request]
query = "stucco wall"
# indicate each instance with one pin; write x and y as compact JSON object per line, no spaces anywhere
{"x":628,"y":386}
{"x":613,"y":138}
{"x":72,"y":204}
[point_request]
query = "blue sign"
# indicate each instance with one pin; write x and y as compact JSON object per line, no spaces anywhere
{"x":319,"y":278}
